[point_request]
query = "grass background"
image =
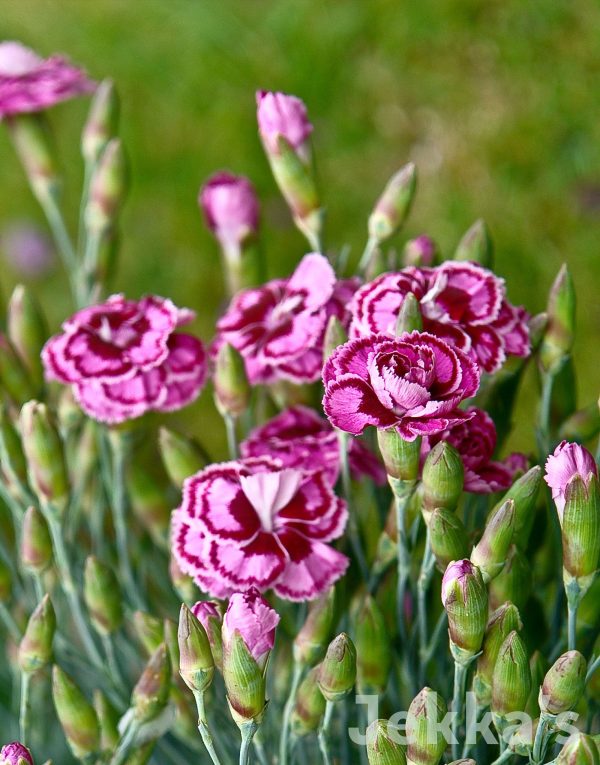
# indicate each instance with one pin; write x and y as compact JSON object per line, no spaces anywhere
{"x":496,"y":102}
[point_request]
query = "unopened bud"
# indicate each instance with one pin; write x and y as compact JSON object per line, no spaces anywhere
{"x":443,"y":476}
{"x":409,"y":316}
{"x":560,"y":331}
{"x":373,"y":649}
{"x":27,"y":331}
{"x":335,"y":335}
{"x":580,"y":524}
{"x":400,"y":457}
{"x":580,"y":749}
{"x":338,"y":669}
{"x":514,"y":582}
{"x":393,"y":206}
{"x":419,"y":252}
{"x":489,"y":554}
{"x":448,"y":537}
{"x":311,"y":642}
{"x":511,"y":680}
{"x":210,"y":616}
{"x":36,"y":544}
{"x":232,"y":390}
{"x":196,"y":663}
{"x":310,"y":705}
{"x":501,"y":623}
{"x":12,"y":458}
{"x":181,"y":456}
{"x":103,"y":596}
{"x":15,"y":380}
{"x":383,"y":747}
{"x":15,"y":754}
{"x":107,"y":188}
{"x":31,"y":136}
{"x":426,"y":742}
{"x":108,"y":719}
{"x":464,"y":596}
{"x":563,"y":684}
{"x":35,"y":648}
{"x":77,"y":716}
{"x":244,"y":681}
{"x":149,"y":631}
{"x":524,"y":493}
{"x":102,"y":121}
{"x":476,"y":245}
{"x":151,"y":692}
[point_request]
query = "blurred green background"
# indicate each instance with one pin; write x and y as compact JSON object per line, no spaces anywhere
{"x":496,"y":103}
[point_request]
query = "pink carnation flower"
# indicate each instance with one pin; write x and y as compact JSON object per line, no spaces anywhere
{"x":280,"y":115}
{"x":124,"y":358}
{"x":249,"y":614}
{"x":15,"y":754}
{"x":230,"y":207}
{"x":413,"y":383}
{"x":204,"y":610}
{"x":462,"y":303}
{"x":29,"y":83}
{"x":475,"y":441}
{"x":567,"y":461}
{"x":253,"y":523}
{"x":457,"y":571}
{"x":279,"y":327}
{"x":299,"y":438}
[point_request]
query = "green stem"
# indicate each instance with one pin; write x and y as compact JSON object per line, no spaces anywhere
{"x":402,"y":493}
{"x":593,"y":666}
{"x":248,"y":730}
{"x":231,"y":436}
{"x":470,"y":731}
{"x":425,"y":576}
{"x":323,"y":731}
{"x":436,"y":636}
{"x":544,"y":425}
{"x":365,"y":259}
{"x":204,"y":730}
{"x":111,"y":660}
{"x":287,"y":713}
{"x":25,"y":708}
{"x":353,"y":528}
{"x":539,"y":743}
{"x":506,"y":755}
{"x":259,"y":750}
{"x":572,"y":625}
{"x":125,"y":744}
{"x":460,"y":681}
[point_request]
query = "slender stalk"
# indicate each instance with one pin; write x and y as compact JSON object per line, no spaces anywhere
{"x":506,"y":755}
{"x":323,"y":730}
{"x":539,"y":743}
{"x":111,"y":660}
{"x":572,"y":607}
{"x":365,"y":258}
{"x":248,"y":730}
{"x":544,"y":425}
{"x":125,"y":744}
{"x":460,"y":681}
{"x":38,"y":586}
{"x":402,"y":497}
{"x":287,"y":713}
{"x":25,"y":708}
{"x":231,"y":436}
{"x":425,"y":576}
{"x":353,"y":529}
{"x":259,"y":750}
{"x":593,"y":666}
{"x":470,"y":731}
{"x":436,"y":636}
{"x":204,"y":730}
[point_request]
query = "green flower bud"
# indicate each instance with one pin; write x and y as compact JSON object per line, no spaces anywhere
{"x":170,"y":630}
{"x":489,"y":554}
{"x":149,"y":630}
{"x":580,"y":749}
{"x":45,"y":456}
{"x":35,"y":648}
{"x":524,"y":493}
{"x":103,"y":596}
{"x":149,"y":501}
{"x":393,"y":206}
{"x":232,"y":389}
{"x":373,"y":649}
{"x":443,"y":476}
{"x":32,"y":140}
{"x":108,"y":720}
{"x":447,"y":537}
{"x":15,"y":380}
{"x":77,"y":716}
{"x":464,"y":596}
{"x":108,"y":188}
{"x":36,"y":544}
{"x":409,"y":316}
{"x":182,"y":457}
{"x":27,"y":331}
{"x":310,"y":705}
{"x":335,"y":335}
{"x":513,"y":583}
{"x":244,"y":681}
{"x":12,"y":458}
{"x":102,"y":121}
{"x":511,"y":680}
{"x":580,"y":524}
{"x":5,"y":582}
{"x":560,"y":330}
{"x":426,"y":743}
{"x":196,"y":663}
{"x":338,"y":669}
{"x":151,"y":691}
{"x":563,"y":684}
{"x":581,"y":426}
{"x":501,"y":623}
{"x":311,"y":642}
{"x":400,"y":457}
{"x":476,"y":245}
{"x":382,"y":745}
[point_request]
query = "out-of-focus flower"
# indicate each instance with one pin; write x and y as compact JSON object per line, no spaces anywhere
{"x":282,"y":116}
{"x":419,"y":251}
{"x":15,"y":754}
{"x":279,"y":328}
{"x":475,"y":441}
{"x":255,"y":523}
{"x":230,"y":207}
{"x":462,"y":303}
{"x":27,"y":249}
{"x":29,"y":83}
{"x":413,"y":383}
{"x":301,"y":439}
{"x":124,"y":358}
{"x":567,"y":461}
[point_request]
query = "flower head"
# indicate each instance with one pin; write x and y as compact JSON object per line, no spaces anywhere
{"x":15,"y":754}
{"x":253,"y":523}
{"x":250,"y":614}
{"x":280,"y":115}
{"x":567,"y":461}
{"x":230,"y":206}
{"x":413,"y":383}
{"x":279,"y":327}
{"x":124,"y":358}
{"x":29,"y":83}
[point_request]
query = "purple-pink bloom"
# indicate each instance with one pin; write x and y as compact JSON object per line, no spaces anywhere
{"x":254,"y":523}
{"x":124,"y":358}
{"x":567,"y":461}
{"x":475,"y":441}
{"x":204,"y":610}
{"x":419,"y":251}
{"x":413,"y":383}
{"x":279,"y":327}
{"x":300,"y":438}
{"x":29,"y":83}
{"x":460,"y":302}
{"x":457,"y":571}
{"x":15,"y":754}
{"x":281,"y":115}
{"x":249,"y":614}
{"x":230,"y":207}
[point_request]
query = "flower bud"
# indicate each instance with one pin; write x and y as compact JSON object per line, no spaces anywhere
{"x":45,"y":456}
{"x":181,"y":456}
{"x":447,"y":537}
{"x":409,"y":316}
{"x":373,"y":649}
{"x":108,"y":720}
{"x":149,"y":501}
{"x":309,"y":707}
{"x":382,"y":745}
{"x":514,"y":582}
{"x":579,"y":749}
{"x":560,"y":330}
{"x":311,"y":642}
{"x":563,"y":684}
{"x":580,"y":527}
{"x":501,"y":623}
{"x":400,"y":457}
{"x":151,"y":692}
{"x":15,"y":380}
{"x":489,"y":554}
{"x":511,"y":680}
{"x":464,"y":597}
{"x":335,"y":335}
{"x":282,"y":116}
{"x":230,"y":207}
{"x":567,"y":461}
{"x":27,"y":331}
{"x":393,"y":206}
{"x":32,"y":140}
{"x":196,"y":663}
{"x":15,"y":754}
{"x":12,"y":458}
{"x":524,"y":493}
{"x":5,"y":582}
{"x":338,"y":669}
{"x":149,"y":630}
{"x":102,"y":121}
{"x":426,"y":738}
{"x":108,"y":188}
{"x":583,"y":425}
{"x":232,"y":390}
{"x":77,"y":716}
{"x":103,"y":597}
{"x":210,"y":616}
{"x":35,"y":648}
{"x":36,"y":545}
{"x":419,"y":252}
{"x":476,"y":245}
{"x":443,"y":476}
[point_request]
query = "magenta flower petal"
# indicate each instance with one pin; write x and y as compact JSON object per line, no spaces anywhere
{"x":249,"y":614}
{"x":230,"y":207}
{"x":281,"y":115}
{"x":13,"y":754}
{"x":351,"y":405}
{"x":567,"y":461}
{"x":258,"y":564}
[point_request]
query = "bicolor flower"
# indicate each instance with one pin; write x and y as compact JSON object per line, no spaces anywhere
{"x":567,"y":461}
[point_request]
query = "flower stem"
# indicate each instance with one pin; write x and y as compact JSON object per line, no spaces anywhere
{"x":539,"y":743}
{"x":231,"y":436}
{"x":402,"y":493}
{"x":593,"y":666}
{"x":506,"y":755}
{"x":287,"y":713}
{"x":365,"y":259}
{"x":248,"y":730}
{"x":204,"y":730}
{"x":353,"y":529}
{"x":125,"y":744}
{"x":323,"y":730}
{"x":460,"y":681}
{"x":425,"y":576}
{"x":24,"y":708}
